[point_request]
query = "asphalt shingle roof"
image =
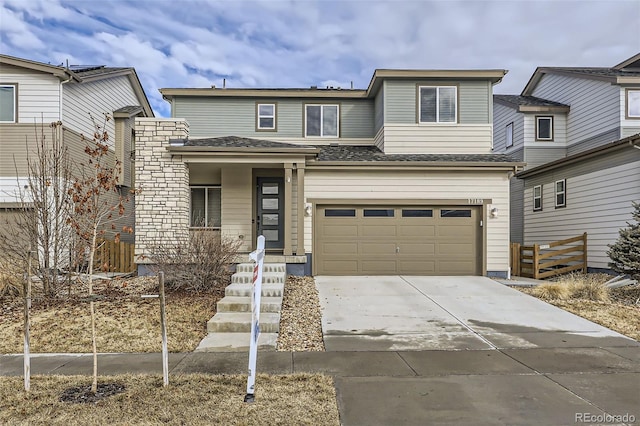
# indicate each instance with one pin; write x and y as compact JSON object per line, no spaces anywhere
{"x":371,"y":153}
{"x":527,"y":100}
{"x":97,"y":70}
{"x":128,"y":109}
{"x":240,"y":142}
{"x":606,"y":72}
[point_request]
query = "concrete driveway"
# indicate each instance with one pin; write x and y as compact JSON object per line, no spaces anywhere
{"x":401,"y":313}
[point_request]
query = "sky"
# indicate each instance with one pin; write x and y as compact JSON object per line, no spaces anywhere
{"x":284,"y":43}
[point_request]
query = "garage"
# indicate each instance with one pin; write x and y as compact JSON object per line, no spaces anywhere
{"x":392,"y":240}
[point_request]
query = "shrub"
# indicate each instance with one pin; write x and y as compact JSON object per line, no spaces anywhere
{"x":625,"y":252}
{"x":551,"y":291}
{"x":581,"y":286}
{"x":201,"y":264}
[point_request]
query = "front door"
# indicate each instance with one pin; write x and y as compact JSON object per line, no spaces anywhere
{"x":270,"y":212}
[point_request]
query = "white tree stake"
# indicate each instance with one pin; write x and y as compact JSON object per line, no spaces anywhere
{"x":258,"y":257}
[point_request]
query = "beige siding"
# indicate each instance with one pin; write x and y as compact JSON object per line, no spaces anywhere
{"x":502,"y":116}
{"x":598,"y":203}
{"x":354,"y":185}
{"x":437,"y":139}
{"x":98,"y":97}
{"x":38,"y":94}
{"x":237,"y":205}
{"x":595,"y":105}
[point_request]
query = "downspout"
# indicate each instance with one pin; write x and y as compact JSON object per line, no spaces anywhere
{"x":60,"y":101}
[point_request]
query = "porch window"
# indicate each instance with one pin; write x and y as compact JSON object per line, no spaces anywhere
{"x":633,"y":103}
{"x":322,"y":121}
{"x":206,"y":207}
{"x":537,"y":198}
{"x":544,"y":128}
{"x":561,"y":193}
{"x":266,"y":117}
{"x":438,"y":104}
{"x":7,"y":103}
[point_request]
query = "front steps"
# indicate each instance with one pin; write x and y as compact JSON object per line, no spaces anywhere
{"x":230,"y":328}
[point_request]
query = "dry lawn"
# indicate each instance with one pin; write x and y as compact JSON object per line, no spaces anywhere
{"x":195,"y":399}
{"x":125,"y":322}
{"x":586,"y":296}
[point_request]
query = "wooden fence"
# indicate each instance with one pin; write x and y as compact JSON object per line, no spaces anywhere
{"x":115,"y":257}
{"x":541,"y":261}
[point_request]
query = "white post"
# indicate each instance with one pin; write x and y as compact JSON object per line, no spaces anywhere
{"x":258,"y":257}
{"x":163,"y":327}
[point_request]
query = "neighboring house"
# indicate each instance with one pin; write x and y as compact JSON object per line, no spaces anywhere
{"x":576,"y":128}
{"x":399,"y":178}
{"x":33,"y":94}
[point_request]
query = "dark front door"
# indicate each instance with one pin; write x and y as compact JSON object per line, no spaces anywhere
{"x":270,"y":212}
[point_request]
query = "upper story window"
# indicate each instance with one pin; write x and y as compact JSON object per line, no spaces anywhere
{"x":8,"y":103}
{"x":633,"y":103}
{"x":508,"y":134}
{"x":561,"y":193}
{"x":206,"y":207}
{"x":544,"y":128}
{"x":537,"y":198}
{"x":438,"y":104}
{"x":322,"y":121}
{"x":266,"y":117}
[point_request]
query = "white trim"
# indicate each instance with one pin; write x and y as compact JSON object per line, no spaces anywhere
{"x":15,"y":99}
{"x":322,"y":107}
{"x":544,"y":117}
{"x":206,"y":204}
{"x":508,"y":135}
{"x":629,"y":91}
{"x":563,"y":193}
{"x":455,"y":98}
{"x":272,"y":115}
{"x":539,"y":197}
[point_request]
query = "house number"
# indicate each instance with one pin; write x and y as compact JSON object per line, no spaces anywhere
{"x":476,"y":200}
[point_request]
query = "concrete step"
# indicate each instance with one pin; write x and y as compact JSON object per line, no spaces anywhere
{"x":267,"y":277}
{"x":267,"y":267}
{"x":236,"y":342}
{"x":268,"y":290}
{"x":236,"y":322}
{"x":243,"y":304}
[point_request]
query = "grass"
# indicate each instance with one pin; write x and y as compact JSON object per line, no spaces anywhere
{"x":194,"y":399}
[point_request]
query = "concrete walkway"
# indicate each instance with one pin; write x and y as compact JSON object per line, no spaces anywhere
{"x":418,"y":350}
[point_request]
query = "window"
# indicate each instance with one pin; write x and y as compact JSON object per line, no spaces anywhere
{"x":417,"y":213}
{"x":340,"y":213}
{"x":537,"y":198}
{"x":508,"y":134}
{"x":321,"y":121}
{"x":544,"y":128}
{"x":455,"y":213}
{"x":561,"y":193}
{"x":205,"y":207}
{"x":438,"y":104}
{"x":266,"y":117}
{"x":7,"y":103}
{"x":633,"y":103}
{"x":378,"y":213}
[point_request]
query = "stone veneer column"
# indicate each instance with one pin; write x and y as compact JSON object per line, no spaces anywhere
{"x":162,"y":205}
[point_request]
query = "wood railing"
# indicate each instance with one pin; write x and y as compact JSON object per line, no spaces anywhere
{"x":115,"y":257}
{"x":541,"y":261}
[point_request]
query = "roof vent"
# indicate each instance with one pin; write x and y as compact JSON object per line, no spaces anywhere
{"x":314,"y":87}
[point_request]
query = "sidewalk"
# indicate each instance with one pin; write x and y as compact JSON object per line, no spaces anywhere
{"x":507,"y":386}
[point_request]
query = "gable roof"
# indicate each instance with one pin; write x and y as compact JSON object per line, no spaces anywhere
{"x":530,"y":103}
{"x":626,"y":72}
{"x":631,"y":141}
{"x":81,"y":74}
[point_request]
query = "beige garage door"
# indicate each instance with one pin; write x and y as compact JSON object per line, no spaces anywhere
{"x":389,"y":240}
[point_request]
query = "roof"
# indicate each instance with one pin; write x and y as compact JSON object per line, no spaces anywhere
{"x":529,"y":103}
{"x":626,"y":72}
{"x":84,"y":73}
{"x":238,"y":142}
{"x":627,"y":142}
{"x":379,"y":75}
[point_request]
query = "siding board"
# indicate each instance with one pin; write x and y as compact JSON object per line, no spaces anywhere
{"x":38,"y":94}
{"x":437,"y":139}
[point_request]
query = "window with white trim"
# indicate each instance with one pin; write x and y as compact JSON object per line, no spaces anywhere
{"x":544,"y":128}
{"x":206,"y":206}
{"x":266,"y":117}
{"x":633,"y":103}
{"x":438,"y":104}
{"x":508,"y":134}
{"x":537,"y":198}
{"x":322,"y":121}
{"x":8,"y":103}
{"x":561,"y":193}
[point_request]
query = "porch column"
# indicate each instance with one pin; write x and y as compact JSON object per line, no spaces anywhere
{"x":300,"y":209}
{"x":288,"y":206}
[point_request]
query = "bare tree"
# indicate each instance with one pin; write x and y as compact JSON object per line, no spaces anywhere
{"x":98,"y":204}
{"x":40,"y":220}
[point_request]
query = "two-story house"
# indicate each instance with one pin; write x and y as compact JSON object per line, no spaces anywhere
{"x":578,"y":130}
{"x":33,"y":94}
{"x":398,"y":178}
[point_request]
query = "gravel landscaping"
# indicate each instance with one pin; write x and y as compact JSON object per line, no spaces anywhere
{"x":300,"y":319}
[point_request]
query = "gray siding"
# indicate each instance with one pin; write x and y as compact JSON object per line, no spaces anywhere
{"x":516,"y":210}
{"x":594,"y":142}
{"x":538,"y":156}
{"x":595,"y":105}
{"x":379,"y":110}
{"x":474,"y":99}
{"x":502,"y":116}
{"x":212,"y":117}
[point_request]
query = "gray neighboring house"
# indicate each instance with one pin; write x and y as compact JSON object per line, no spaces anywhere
{"x":397,"y":178}
{"x":578,"y":131}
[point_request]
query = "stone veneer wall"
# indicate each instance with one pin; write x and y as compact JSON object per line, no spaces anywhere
{"x":162,"y":205}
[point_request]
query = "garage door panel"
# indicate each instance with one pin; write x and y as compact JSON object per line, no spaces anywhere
{"x":378,"y":230}
{"x":456,"y":249}
{"x":422,"y":249}
{"x":377,"y":248}
{"x":340,"y":230}
{"x":344,"y":249}
{"x":340,"y":267}
{"x":456,"y":231}
{"x":455,"y":267}
{"x":417,"y":266}
{"x":379,"y":267}
{"x":417,"y":230}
